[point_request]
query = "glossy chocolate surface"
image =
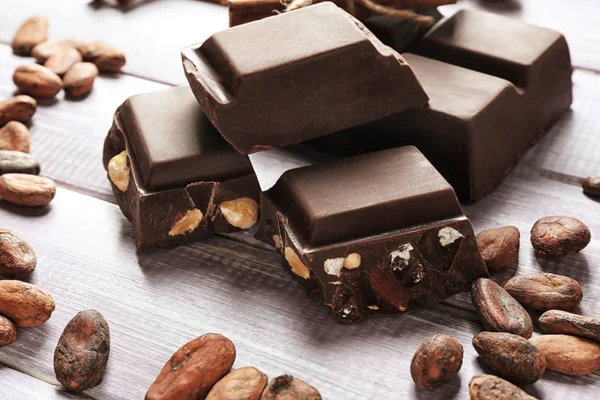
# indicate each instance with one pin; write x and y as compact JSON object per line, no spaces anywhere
{"x":297,"y":76}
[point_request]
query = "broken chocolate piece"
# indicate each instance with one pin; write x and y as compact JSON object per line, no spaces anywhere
{"x":297,"y":76}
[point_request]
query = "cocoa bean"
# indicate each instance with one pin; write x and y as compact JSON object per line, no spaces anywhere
{"x":43,"y":51}
{"x":16,"y":255}
{"x":499,"y":247}
{"x":8,"y":332}
{"x":25,"y":304}
{"x":79,"y":80}
{"x":510,"y":356}
{"x":556,"y":321}
{"x":194,"y":369}
{"x":27,"y":190}
{"x":18,"y":162}
{"x":37,"y":81}
{"x":591,"y":185}
{"x":107,"y":57}
{"x":570,"y":355}
{"x":246,"y":383}
{"x":33,"y":31}
{"x":436,"y":361}
{"x":287,"y":387}
{"x":19,"y":108}
{"x":498,"y":310}
{"x":82,"y":351}
{"x":490,"y":387}
{"x":15,"y":136}
{"x":62,"y":60}
{"x":559,"y":236}
{"x":545,"y":291}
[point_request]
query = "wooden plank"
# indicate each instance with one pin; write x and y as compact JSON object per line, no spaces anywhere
{"x":15,"y":385}
{"x":158,"y":300}
{"x":576,"y":20}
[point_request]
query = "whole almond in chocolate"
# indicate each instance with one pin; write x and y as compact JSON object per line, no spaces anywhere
{"x":15,"y":136}
{"x":287,"y":387}
{"x":499,"y":247}
{"x":25,"y":304}
{"x":82,"y":351}
{"x":490,"y":387}
{"x":63,"y":59}
{"x":194,"y":369}
{"x":511,"y":356}
{"x":80,"y":78}
{"x":32,"y":32}
{"x":436,"y":361}
{"x":107,"y":57}
{"x":16,"y":255}
{"x":569,"y":355}
{"x":559,"y":236}
{"x":545,"y":291}
{"x":37,"y":81}
{"x":246,"y":383}
{"x":557,"y":321}
{"x":8,"y":331}
{"x":498,"y":310}
{"x":591,"y":185}
{"x":18,"y":108}
{"x":27,"y":190}
{"x":18,"y":162}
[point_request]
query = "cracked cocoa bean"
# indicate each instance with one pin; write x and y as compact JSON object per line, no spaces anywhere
{"x":490,"y":387}
{"x":559,"y":236}
{"x":436,"y":361}
{"x":287,"y":387}
{"x":545,"y":291}
{"x":556,"y":321}
{"x":16,"y":255}
{"x":499,"y":247}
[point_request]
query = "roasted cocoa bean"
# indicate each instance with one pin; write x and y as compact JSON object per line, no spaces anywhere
{"x":25,"y":304}
{"x":559,"y":236}
{"x":17,"y":162}
{"x":545,"y":291}
{"x":194,"y":369}
{"x":82,"y":351}
{"x":79,"y":80}
{"x":62,"y":60}
{"x":15,"y":136}
{"x":490,"y":387}
{"x":37,"y":81}
{"x":287,"y":387}
{"x":8,"y":332}
{"x":498,"y":310}
{"x":18,"y":108}
{"x":499,"y":247}
{"x":556,"y":321}
{"x":510,"y":356}
{"x":570,"y":355}
{"x":32,"y":32}
{"x":16,"y":255}
{"x":107,"y":57}
{"x":591,"y":185}
{"x":436,"y":361}
{"x":246,"y":383}
{"x":27,"y":190}
{"x":43,"y":51}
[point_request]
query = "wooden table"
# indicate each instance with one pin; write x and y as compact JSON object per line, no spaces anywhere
{"x":158,"y":300}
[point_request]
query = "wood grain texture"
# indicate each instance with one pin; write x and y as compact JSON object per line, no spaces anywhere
{"x":15,"y":385}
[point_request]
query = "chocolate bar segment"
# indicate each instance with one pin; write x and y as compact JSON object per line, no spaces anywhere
{"x":398,"y":238}
{"x":182,"y":192}
{"x":293,"y":77}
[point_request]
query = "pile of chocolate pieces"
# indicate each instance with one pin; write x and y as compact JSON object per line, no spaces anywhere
{"x":365,"y":211}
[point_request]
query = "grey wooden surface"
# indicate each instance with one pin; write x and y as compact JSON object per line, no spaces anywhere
{"x":158,"y":300}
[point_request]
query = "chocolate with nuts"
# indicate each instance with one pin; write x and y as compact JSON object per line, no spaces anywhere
{"x":174,"y":177}
{"x":499,"y":247}
{"x":19,"y":108}
{"x":287,"y":387}
{"x":544,"y":291}
{"x":556,"y":321}
{"x":16,"y":255}
{"x":569,"y":355}
{"x":490,"y":387}
{"x":436,"y":361}
{"x":559,"y":236}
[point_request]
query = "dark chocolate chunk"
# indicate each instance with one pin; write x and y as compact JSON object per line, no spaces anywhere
{"x":18,"y":162}
{"x":297,"y":76}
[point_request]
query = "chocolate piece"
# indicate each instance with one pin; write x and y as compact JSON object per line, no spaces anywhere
{"x":196,"y":172}
{"x":297,"y":76}
{"x":18,"y":162}
{"x":477,"y":125}
{"x":380,"y":232}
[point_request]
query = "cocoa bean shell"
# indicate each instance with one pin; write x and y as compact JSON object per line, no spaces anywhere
{"x":499,"y":247}
{"x":16,"y":255}
{"x":37,"y":81}
{"x":287,"y":387}
{"x":490,"y":387}
{"x":559,"y":236}
{"x":8,"y":332}
{"x":511,"y":356}
{"x":194,"y":369}
{"x":15,"y":136}
{"x":545,"y":291}
{"x":498,"y":310}
{"x":569,"y":355}
{"x":62,"y":60}
{"x":27,"y":190}
{"x":437,"y":360}
{"x":32,"y":32}
{"x":18,"y":108}
{"x":246,"y":383}
{"x":79,"y":80}
{"x":556,"y":321}
{"x":82,"y":351}
{"x":25,"y":304}
{"x":17,"y":162}
{"x":591,"y":185}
